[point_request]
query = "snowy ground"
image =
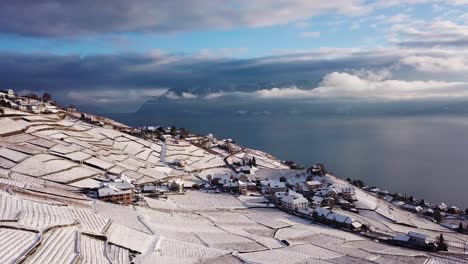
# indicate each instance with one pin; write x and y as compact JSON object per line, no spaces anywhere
{"x":44,"y":161}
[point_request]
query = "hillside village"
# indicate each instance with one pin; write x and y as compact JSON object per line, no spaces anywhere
{"x":79,"y":188}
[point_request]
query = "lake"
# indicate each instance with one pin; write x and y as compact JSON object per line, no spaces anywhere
{"x":419,"y":155}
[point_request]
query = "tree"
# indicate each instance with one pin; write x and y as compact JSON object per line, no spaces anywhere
{"x":46,"y":97}
{"x":441,"y":246}
{"x":282,"y":179}
{"x":254,"y":162}
{"x":438,"y":216}
{"x":209,"y":177}
{"x":32,"y":96}
{"x":460,"y":228}
{"x":173,"y":131}
{"x":422,"y":202}
{"x":82,"y":117}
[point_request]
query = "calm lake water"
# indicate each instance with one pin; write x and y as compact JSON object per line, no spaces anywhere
{"x":423,"y":156}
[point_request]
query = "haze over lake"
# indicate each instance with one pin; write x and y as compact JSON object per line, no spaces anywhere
{"x":419,"y":155}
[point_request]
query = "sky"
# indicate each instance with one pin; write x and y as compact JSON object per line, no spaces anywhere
{"x":118,"y":55}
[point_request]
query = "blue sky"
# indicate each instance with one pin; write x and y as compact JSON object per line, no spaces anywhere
{"x":324,"y":30}
{"x":119,"y":55}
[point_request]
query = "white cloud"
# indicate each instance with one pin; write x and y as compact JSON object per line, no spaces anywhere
{"x":448,"y":64}
{"x":368,"y":86}
{"x":431,"y":34}
{"x":345,"y":85}
{"x":310,"y":34}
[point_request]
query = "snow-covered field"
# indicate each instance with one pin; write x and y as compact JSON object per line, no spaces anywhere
{"x":45,"y":160}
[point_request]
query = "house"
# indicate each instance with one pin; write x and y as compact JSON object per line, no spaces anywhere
{"x":313,"y":185}
{"x":349,"y":193}
{"x":294,"y":201}
{"x":251,"y":186}
{"x":33,"y":109}
{"x":236,"y":187}
{"x":245,"y":169}
{"x":118,"y":191}
{"x":302,"y":188}
{"x":51,"y":109}
{"x":276,"y":186}
{"x":221,"y":179}
{"x":332,"y":192}
{"x":337,"y":219}
{"x":278,"y":196}
{"x":418,"y":237}
{"x":10,"y":93}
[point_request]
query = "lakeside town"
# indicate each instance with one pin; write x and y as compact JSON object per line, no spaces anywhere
{"x":89,"y":189}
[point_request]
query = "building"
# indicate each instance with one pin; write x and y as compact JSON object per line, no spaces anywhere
{"x":118,"y":191}
{"x":349,"y":193}
{"x":276,"y":186}
{"x":336,"y":219}
{"x":294,"y":201}
{"x":313,"y":185}
{"x":10,"y":93}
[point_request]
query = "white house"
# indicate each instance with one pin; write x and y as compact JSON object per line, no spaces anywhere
{"x":349,"y":193}
{"x":294,"y":201}
{"x":276,"y":186}
{"x":10,"y":93}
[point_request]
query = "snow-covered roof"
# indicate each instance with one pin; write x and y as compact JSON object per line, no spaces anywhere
{"x":313,"y":183}
{"x":109,"y":191}
{"x":418,"y":235}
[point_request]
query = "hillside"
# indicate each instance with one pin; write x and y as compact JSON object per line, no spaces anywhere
{"x":52,"y":167}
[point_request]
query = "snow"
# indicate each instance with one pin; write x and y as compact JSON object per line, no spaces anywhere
{"x":8,"y":126}
{"x":12,"y":155}
{"x":92,"y":251}
{"x":130,"y":238}
{"x":86,"y":183}
{"x":275,"y":256}
{"x":42,"y":164}
{"x":10,"y":206}
{"x":99,"y":163}
{"x":64,"y":149}
{"x":118,"y":255}
{"x":73,"y":174}
{"x":188,"y":250}
{"x":15,"y":244}
{"x":90,"y":221}
{"x":124,"y":215}
{"x":41,"y":142}
{"x":58,"y":246}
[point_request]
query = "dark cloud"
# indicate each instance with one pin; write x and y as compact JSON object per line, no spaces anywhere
{"x":108,"y":80}
{"x":81,"y":17}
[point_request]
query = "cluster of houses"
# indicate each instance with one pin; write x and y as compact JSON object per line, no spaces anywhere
{"x":123,"y":191}
{"x":8,"y":98}
{"x":239,"y":183}
{"x":451,"y":216}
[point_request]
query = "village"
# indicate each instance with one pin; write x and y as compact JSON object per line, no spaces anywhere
{"x":114,"y":194}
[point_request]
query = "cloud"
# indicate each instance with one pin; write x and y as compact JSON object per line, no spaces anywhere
{"x":430,"y":34}
{"x":345,"y":85}
{"x":341,"y":85}
{"x":310,"y":34}
{"x":53,"y":18}
{"x":457,"y":63}
{"x":123,"y":99}
{"x":113,"y":80}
